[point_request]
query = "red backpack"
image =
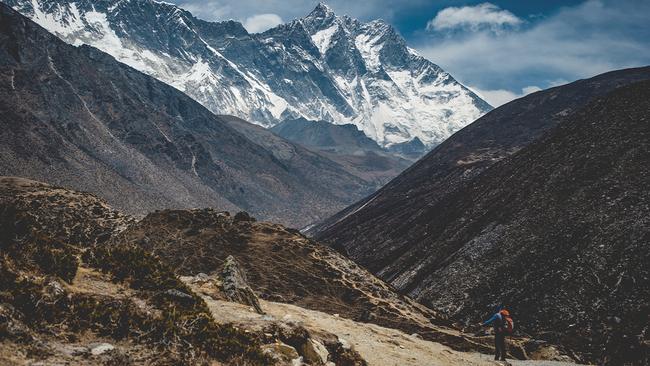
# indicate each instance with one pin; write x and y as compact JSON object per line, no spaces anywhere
{"x":508,"y":323}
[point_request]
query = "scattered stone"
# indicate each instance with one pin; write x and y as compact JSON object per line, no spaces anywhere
{"x":281,"y":353}
{"x":11,"y":327}
{"x":74,"y":350}
{"x":179,"y":295}
{"x":101,"y":349}
{"x":201,"y":277}
{"x":314,"y":352}
{"x":345,"y":344}
{"x":54,"y":290}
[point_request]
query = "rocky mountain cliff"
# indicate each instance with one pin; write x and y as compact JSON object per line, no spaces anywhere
{"x":76,"y":116}
{"x":320,"y":67}
{"x":557,"y":230}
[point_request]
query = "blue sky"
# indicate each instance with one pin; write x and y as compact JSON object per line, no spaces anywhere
{"x":501,"y":49}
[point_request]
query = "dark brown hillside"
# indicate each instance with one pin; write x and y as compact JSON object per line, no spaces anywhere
{"x":344,"y":144}
{"x":373,"y":229}
{"x":560,"y":231}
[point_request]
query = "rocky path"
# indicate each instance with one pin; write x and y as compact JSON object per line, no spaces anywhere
{"x":377,"y":345}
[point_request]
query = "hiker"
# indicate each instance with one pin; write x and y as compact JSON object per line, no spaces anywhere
{"x":503,"y":325}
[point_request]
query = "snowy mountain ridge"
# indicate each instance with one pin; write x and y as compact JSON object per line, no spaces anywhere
{"x":319,"y":67}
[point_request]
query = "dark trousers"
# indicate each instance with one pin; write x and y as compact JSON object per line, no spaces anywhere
{"x":499,"y":346}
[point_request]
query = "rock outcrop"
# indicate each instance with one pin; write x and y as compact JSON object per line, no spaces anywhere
{"x":235,"y":285}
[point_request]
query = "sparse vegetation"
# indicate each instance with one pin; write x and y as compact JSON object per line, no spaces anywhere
{"x":185,"y":317}
{"x":33,"y":266}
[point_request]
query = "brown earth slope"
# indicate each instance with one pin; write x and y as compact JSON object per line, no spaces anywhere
{"x":65,"y":299}
{"x":281,"y":265}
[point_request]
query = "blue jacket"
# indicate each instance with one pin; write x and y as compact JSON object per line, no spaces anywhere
{"x":496,"y":320}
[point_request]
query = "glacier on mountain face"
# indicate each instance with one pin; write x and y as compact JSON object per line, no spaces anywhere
{"x":319,"y":67}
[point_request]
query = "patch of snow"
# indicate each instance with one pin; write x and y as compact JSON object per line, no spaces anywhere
{"x":412,"y":51}
{"x":194,"y":165}
{"x":322,"y":38}
{"x":66,"y":20}
{"x":163,"y":2}
{"x":369,"y":49}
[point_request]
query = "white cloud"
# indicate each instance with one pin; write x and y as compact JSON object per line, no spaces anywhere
{"x":261,"y":22}
{"x":499,"y":97}
{"x":209,"y":10}
{"x":476,"y":17}
{"x":530,"y":89}
{"x":575,"y":42}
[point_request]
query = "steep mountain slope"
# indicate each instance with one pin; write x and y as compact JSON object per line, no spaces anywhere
{"x":559,"y":231}
{"x":373,"y":229}
{"x":321,"y":67}
{"x":348,"y":146}
{"x":76,"y":116}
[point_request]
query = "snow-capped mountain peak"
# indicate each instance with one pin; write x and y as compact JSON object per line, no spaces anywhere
{"x":319,"y":67}
{"x":322,"y":11}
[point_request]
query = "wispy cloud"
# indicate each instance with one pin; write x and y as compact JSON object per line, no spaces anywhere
{"x":261,"y":22}
{"x":502,"y":96}
{"x":212,"y":10}
{"x":575,"y":42}
{"x":482,"y":16}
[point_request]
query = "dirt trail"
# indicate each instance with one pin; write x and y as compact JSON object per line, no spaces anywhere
{"x":377,"y":345}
